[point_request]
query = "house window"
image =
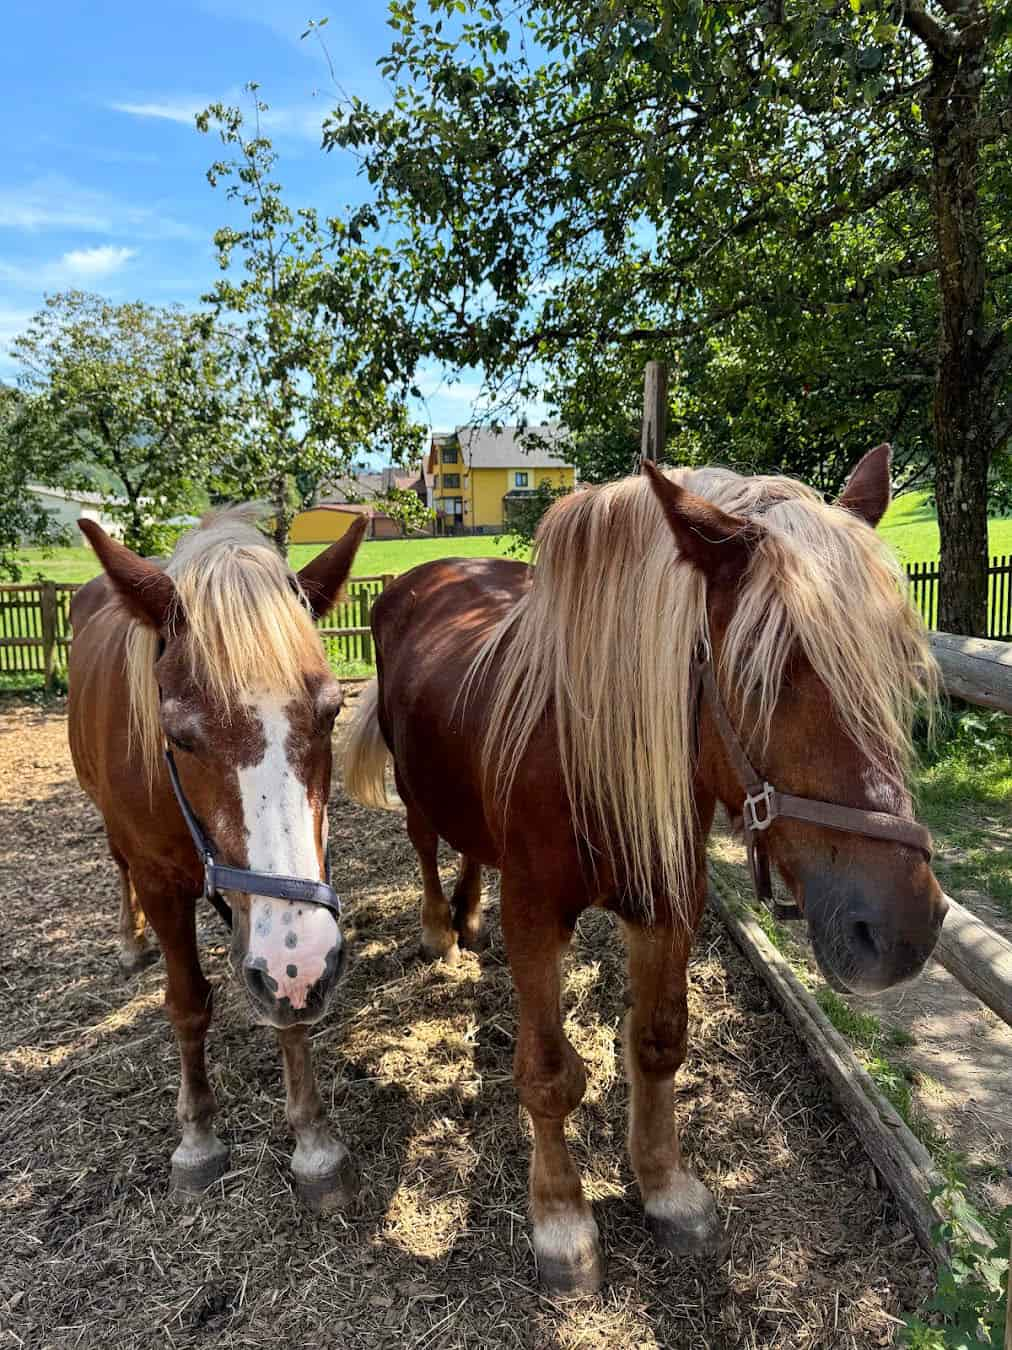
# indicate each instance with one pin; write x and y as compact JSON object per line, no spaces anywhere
{"x":449,"y":455}
{"x":451,"y":480}
{"x":520,"y":479}
{"x":450,"y":506}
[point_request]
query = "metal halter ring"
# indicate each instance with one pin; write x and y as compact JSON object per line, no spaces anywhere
{"x":752,"y":817}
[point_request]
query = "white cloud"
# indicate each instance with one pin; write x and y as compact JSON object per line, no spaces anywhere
{"x":92,"y":263}
{"x":182,"y":110}
{"x":303,"y":119}
{"x":54,"y":202}
{"x":78,"y":267}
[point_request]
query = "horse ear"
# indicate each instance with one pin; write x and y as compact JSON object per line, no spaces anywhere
{"x":719,"y":544}
{"x":322,"y":579}
{"x":143,"y":587}
{"x":869,"y":489}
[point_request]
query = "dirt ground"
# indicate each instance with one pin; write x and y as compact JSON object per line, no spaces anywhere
{"x":415,"y":1062}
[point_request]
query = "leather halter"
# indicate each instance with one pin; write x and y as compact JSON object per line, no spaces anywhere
{"x":297,"y":890}
{"x":764,"y":804}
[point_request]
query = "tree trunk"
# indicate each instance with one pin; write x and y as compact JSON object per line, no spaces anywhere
{"x":963,"y":397}
{"x":282,"y":515}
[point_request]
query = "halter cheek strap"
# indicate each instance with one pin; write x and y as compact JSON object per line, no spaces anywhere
{"x":297,"y":890}
{"x":763,"y":804}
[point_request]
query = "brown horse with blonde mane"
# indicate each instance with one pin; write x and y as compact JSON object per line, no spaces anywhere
{"x":574,"y":724}
{"x":216,"y":656}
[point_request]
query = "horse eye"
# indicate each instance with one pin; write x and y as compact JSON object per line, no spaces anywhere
{"x":328,"y":708}
{"x":179,"y":744}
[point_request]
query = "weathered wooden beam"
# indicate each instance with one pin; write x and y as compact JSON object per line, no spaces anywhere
{"x":900,"y":1159}
{"x":978,"y":957}
{"x":975,"y":669}
{"x":655,"y":409}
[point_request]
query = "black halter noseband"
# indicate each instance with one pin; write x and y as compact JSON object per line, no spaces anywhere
{"x":764,"y":804}
{"x":297,"y":890}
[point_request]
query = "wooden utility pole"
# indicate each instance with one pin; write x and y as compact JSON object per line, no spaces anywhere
{"x":655,"y":410}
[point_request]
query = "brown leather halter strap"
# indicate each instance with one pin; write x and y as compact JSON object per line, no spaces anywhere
{"x":764,"y":804}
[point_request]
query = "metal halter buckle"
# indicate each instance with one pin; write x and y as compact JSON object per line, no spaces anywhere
{"x":752,"y":818}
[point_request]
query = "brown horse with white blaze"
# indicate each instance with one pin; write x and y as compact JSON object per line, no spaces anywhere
{"x":553,"y":722}
{"x":216,"y":656}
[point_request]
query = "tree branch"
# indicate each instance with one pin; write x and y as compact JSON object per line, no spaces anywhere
{"x":929,"y":30}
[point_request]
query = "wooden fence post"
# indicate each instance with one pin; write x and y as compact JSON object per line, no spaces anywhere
{"x":364,"y":599}
{"x":48,"y":606}
{"x":655,"y":410}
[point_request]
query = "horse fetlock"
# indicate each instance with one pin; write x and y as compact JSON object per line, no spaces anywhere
{"x":472,"y":936}
{"x":568,"y":1251}
{"x":326,"y":1177}
{"x":200,"y":1160}
{"x":682,"y":1216}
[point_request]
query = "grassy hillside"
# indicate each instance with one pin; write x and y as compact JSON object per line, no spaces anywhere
{"x":909,"y":525}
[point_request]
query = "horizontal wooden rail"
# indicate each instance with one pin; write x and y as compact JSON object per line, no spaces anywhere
{"x":975,"y":669}
{"x":978,"y":957}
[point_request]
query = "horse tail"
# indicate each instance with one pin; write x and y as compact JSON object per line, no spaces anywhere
{"x":366,"y":753}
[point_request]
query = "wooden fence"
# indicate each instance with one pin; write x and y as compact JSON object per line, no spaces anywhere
{"x":35,"y":626}
{"x":923,"y":579}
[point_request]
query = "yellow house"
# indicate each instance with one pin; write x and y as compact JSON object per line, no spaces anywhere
{"x":475,"y":475}
{"x":324,"y":524}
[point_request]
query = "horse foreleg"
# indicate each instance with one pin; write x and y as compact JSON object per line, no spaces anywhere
{"x":201,"y":1157}
{"x":466,"y":905}
{"x":550,"y":1079}
{"x":439,"y":940}
{"x":679,"y":1209}
{"x":134,"y":952}
{"x":323,"y":1169}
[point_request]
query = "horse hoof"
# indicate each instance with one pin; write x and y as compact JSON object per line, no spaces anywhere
{"x":191,"y":1175}
{"x":134,"y":961}
{"x":449,"y":956}
{"x":569,"y":1257}
{"x":476,"y":941}
{"x":571,"y":1278}
{"x":336,"y":1188}
{"x":686,"y":1222}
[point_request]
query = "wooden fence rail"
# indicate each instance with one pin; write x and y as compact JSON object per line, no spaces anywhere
{"x":35,"y":629}
{"x":923,"y":580}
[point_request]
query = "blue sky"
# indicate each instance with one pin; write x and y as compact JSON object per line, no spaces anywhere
{"x":102,"y":181}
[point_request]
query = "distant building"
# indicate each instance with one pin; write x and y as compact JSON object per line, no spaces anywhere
{"x":362,"y":487}
{"x":474,"y":476}
{"x":329,"y":521}
{"x":68,"y":507}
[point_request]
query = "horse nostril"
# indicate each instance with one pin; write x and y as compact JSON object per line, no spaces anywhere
{"x":262,"y":987}
{"x":865,"y":938}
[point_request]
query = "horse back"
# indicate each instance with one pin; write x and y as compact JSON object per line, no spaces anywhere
{"x":429,"y":626}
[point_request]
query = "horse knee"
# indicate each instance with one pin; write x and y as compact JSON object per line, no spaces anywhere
{"x":189,"y":1022}
{"x":658,"y":1045}
{"x":549,"y":1082}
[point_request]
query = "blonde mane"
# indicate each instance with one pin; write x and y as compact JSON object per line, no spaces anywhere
{"x":248,"y":626}
{"x":602,"y":643}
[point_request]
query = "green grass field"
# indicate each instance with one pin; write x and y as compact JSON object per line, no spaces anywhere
{"x":373,"y":559}
{"x":910,"y":526}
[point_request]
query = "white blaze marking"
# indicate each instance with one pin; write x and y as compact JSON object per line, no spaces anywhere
{"x":280,"y":836}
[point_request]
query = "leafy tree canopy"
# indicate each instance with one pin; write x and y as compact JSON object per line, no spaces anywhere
{"x":125,"y":399}
{"x":314,"y":382}
{"x":804,"y":200}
